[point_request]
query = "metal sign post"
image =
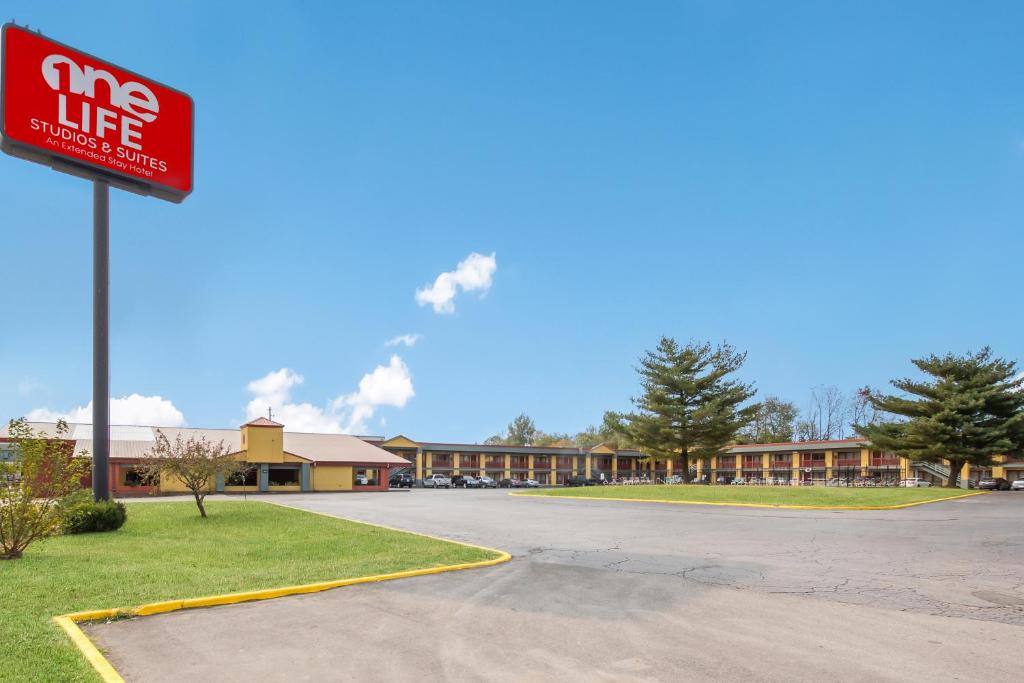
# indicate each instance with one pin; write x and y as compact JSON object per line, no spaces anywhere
{"x":81,"y":115}
{"x":100,"y":339}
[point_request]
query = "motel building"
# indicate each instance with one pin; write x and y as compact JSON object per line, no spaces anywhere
{"x":283,"y":462}
{"x":835,"y":462}
{"x":292,"y":462}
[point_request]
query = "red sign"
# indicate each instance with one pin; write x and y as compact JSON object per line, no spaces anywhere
{"x":80,"y":114}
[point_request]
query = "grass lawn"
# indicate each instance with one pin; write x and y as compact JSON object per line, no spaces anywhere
{"x":166,"y":551}
{"x":759,"y":495}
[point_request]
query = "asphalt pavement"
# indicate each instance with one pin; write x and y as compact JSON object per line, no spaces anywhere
{"x":612,"y":591}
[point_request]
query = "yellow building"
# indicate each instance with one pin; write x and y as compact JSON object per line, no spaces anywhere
{"x":834,"y":462}
{"x":547,"y":465}
{"x":281,"y":461}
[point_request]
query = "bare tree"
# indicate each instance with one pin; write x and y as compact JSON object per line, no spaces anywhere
{"x":196,"y":463}
{"x":826,"y":415}
{"x":863,"y":411}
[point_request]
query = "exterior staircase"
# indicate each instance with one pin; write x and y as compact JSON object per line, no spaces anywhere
{"x":933,"y":468}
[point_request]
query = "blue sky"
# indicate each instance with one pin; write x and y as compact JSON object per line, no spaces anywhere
{"x":834,"y":189}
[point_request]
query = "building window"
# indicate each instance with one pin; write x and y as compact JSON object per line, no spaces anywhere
{"x":248,"y":477}
{"x":365,"y":476}
{"x":283,"y":476}
{"x":133,"y":476}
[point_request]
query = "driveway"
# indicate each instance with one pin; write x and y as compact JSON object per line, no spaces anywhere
{"x":615,"y":591}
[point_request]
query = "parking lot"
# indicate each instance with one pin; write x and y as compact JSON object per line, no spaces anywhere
{"x":605,"y":590}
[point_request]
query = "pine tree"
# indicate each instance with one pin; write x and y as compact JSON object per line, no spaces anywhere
{"x":972,"y":410}
{"x":688,"y":405}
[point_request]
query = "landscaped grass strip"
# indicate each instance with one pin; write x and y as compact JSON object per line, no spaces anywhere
{"x":167,"y":553}
{"x":792,"y":497}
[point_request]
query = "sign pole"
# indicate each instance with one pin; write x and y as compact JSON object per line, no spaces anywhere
{"x":100,"y":339}
{"x":131,"y":131}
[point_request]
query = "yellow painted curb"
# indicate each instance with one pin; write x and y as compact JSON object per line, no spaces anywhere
{"x":88,"y":650}
{"x":758,"y":505}
{"x":69,"y":622}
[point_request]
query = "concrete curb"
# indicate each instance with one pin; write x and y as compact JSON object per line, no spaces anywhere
{"x":69,"y":622}
{"x":899,"y":506}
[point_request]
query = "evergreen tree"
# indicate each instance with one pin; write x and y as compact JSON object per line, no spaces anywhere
{"x":688,"y":405}
{"x":971,"y":410}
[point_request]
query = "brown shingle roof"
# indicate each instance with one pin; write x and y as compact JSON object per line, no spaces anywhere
{"x":262,"y":422}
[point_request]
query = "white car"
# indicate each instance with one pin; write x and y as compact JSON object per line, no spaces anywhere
{"x":437,"y":481}
{"x":1017,"y":485}
{"x":915,"y":483}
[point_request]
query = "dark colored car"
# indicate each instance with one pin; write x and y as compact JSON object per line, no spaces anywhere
{"x":994,"y":484}
{"x":578,"y":480}
{"x":465,"y":481}
{"x":509,"y":484}
{"x":401,"y":481}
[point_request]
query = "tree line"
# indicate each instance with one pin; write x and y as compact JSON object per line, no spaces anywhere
{"x":966,"y":409}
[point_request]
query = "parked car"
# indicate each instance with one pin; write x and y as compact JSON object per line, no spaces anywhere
{"x":994,"y":484}
{"x":577,"y":480}
{"x":1018,"y":485}
{"x":401,"y":481}
{"x":914,"y":482}
{"x":531,"y":484}
{"x":509,"y":484}
{"x":487,"y":483}
{"x":465,"y":481}
{"x":437,"y":481}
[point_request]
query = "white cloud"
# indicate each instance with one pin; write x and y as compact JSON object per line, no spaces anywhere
{"x":406,"y":339}
{"x":128,"y":410}
{"x":386,"y":385}
{"x":275,"y":387}
{"x":474,"y":273}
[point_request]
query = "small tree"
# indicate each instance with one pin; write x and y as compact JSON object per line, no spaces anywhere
{"x":41,"y":472}
{"x":971,"y":410}
{"x":689,"y":406}
{"x":196,"y":463}
{"x":521,"y":431}
{"x":772,"y":423}
{"x":610,"y":432}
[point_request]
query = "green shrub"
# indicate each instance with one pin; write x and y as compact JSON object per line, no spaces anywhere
{"x":105,"y":515}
